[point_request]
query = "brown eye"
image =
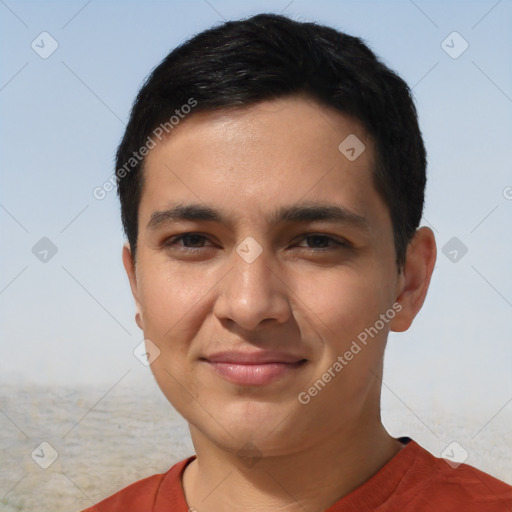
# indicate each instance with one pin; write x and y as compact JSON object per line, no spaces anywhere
{"x":188,"y":241}
{"x":323,"y":242}
{"x":191,"y":240}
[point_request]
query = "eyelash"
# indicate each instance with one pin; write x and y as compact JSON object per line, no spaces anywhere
{"x":337,"y":244}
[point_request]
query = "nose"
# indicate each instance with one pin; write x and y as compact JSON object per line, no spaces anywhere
{"x":253,"y":293}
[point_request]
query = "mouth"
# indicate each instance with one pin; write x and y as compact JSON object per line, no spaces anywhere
{"x":254,"y":369}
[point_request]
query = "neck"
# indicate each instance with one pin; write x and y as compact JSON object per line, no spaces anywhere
{"x":310,"y":479}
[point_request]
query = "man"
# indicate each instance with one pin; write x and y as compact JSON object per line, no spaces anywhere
{"x":272,"y":182}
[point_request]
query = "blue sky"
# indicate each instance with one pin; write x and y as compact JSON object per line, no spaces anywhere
{"x":70,"y":320}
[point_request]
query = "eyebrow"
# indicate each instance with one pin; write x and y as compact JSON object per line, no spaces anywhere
{"x":307,"y":212}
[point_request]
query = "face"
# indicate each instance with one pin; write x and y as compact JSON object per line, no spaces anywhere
{"x":265,"y":256}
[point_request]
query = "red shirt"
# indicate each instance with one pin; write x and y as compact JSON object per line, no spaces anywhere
{"x":412,"y":481}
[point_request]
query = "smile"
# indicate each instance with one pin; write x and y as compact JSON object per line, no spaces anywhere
{"x":255,"y":369}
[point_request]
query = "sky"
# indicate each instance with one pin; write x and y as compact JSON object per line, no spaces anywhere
{"x":70,"y":71}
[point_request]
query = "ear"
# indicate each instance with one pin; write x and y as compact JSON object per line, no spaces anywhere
{"x":129,"y":266}
{"x":415,"y":278}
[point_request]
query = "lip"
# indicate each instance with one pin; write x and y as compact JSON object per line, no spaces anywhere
{"x":255,"y":357}
{"x":254,"y":368}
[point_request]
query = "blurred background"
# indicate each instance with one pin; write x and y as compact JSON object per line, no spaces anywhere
{"x":80,"y":415}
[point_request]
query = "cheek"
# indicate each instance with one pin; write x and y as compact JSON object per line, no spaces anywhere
{"x":342,"y":303}
{"x":170,"y":295}
{"x":173,"y":307}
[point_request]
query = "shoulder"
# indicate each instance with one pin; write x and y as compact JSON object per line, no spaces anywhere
{"x":456,"y":485}
{"x":414,"y":480}
{"x":144,"y":494}
{"x":137,"y":496}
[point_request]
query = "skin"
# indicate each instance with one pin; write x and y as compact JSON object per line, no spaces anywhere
{"x":306,"y":296}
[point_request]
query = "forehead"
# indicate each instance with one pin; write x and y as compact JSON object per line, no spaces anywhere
{"x":276,"y":151}
{"x":292,"y":126}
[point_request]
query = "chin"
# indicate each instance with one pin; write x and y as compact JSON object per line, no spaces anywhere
{"x":265,"y":428}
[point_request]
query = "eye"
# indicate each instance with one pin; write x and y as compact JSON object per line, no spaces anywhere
{"x":322,"y":242}
{"x":193,"y":242}
{"x":189,"y":241}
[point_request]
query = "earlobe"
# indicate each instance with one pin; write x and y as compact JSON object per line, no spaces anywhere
{"x":129,"y":266}
{"x":138,"y":319}
{"x":416,"y":275}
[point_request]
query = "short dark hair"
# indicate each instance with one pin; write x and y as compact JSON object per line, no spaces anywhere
{"x":269,"y":56}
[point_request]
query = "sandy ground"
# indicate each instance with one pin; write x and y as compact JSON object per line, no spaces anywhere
{"x":103,"y":442}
